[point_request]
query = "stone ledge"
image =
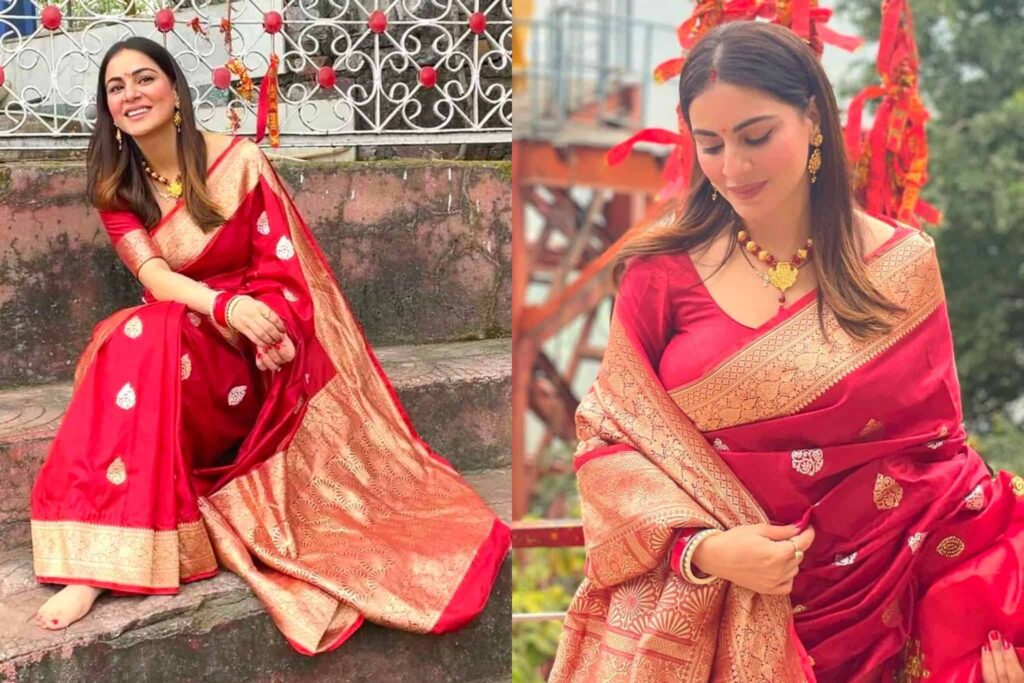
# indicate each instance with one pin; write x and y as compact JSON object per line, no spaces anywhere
{"x":421,"y":250}
{"x":216,"y":630}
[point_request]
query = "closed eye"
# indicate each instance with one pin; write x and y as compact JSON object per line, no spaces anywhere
{"x":755,"y":142}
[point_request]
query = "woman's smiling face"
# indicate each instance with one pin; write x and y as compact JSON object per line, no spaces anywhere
{"x":752,"y":147}
{"x":140,"y":96}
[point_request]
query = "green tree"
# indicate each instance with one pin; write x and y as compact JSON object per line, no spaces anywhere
{"x":970,"y":78}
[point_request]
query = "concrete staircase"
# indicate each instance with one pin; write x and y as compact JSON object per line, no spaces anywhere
{"x":422,"y":252}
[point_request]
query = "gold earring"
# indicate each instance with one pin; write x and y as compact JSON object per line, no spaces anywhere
{"x":714,"y":195}
{"x":814,"y":163}
{"x":177,"y":118}
{"x":117,"y":136}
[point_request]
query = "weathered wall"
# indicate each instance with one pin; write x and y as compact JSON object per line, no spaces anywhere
{"x":421,"y":249}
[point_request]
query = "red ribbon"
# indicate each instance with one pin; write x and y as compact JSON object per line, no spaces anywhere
{"x":266,"y":112}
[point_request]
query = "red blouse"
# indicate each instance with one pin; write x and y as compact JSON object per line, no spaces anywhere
{"x":679,"y":324}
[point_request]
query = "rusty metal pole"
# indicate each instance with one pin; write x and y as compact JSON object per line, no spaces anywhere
{"x":521,"y":358}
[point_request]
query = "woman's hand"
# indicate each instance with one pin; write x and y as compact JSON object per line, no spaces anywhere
{"x":257,"y":321}
{"x":999,"y":662}
{"x":273,"y":357}
{"x":759,"y":557}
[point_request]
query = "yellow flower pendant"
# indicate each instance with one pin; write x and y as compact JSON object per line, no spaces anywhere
{"x":175,"y":189}
{"x":782,"y":275}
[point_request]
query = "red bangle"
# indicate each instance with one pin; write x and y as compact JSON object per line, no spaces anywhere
{"x":220,"y":307}
{"x":679,"y":547}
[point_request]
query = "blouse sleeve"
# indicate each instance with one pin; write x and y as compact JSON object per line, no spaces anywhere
{"x":130,"y":238}
{"x":643,"y":305}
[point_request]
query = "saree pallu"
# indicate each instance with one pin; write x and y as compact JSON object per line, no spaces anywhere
{"x":177,"y":454}
{"x":863,"y":439}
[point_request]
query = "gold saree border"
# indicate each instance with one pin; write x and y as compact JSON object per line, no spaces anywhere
{"x":628,"y":405}
{"x":180,"y":240}
{"x":632,"y":617}
{"x":790,"y":366}
{"x":135,"y":248}
{"x":336,"y":526}
{"x":128,"y":557}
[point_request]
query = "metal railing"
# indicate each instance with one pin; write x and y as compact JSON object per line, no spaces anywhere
{"x":351,"y":71}
{"x":580,"y":55}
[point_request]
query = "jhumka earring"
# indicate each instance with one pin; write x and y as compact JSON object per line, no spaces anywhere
{"x":814,"y":163}
{"x":117,"y":136}
{"x":714,"y":195}
{"x":177,"y":118}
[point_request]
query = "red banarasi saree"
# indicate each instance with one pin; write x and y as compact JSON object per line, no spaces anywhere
{"x":918,"y":549}
{"x":176,"y":453}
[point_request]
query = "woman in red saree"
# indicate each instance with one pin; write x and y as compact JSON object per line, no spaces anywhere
{"x":251,"y":429}
{"x":845,"y":531}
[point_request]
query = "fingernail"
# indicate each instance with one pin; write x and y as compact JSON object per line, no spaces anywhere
{"x":53,"y":621}
{"x":986,"y":648}
{"x":1007,"y":645}
{"x":993,"y":636}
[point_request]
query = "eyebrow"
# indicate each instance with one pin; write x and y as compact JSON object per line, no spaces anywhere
{"x":738,"y":127}
{"x":137,"y":71}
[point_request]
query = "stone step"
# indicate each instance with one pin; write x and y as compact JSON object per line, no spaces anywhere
{"x":421,"y":249}
{"x":216,"y":630}
{"x":456,"y":394}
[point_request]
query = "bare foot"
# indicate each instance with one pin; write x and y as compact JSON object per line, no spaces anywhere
{"x":66,"y":607}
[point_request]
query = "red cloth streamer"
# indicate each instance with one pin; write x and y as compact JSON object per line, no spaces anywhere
{"x":892,"y":158}
{"x":669,"y":69}
{"x":266,"y":113}
{"x":657,"y":135}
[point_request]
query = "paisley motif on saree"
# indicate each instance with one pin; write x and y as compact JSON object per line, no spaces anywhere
{"x":317,"y":491}
{"x":864,"y":440}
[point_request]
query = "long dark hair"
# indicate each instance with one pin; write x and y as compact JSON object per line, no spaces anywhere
{"x":774,"y":60}
{"x":116,"y":179}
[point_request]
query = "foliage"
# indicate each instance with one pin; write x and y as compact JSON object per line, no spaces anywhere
{"x":544,"y":579}
{"x":970,"y":52}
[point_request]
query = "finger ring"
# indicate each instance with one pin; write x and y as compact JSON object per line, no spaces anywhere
{"x":797,"y":553}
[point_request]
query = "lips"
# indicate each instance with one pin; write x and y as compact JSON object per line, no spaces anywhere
{"x":136,"y":112}
{"x":747,"y":191}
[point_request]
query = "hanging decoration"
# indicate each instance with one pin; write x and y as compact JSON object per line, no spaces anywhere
{"x":245,"y":86}
{"x":197,"y":27}
{"x":266,"y":114}
{"x":890,"y":160}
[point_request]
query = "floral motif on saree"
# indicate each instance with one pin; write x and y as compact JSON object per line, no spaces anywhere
{"x":862,"y":439}
{"x":310,"y":483}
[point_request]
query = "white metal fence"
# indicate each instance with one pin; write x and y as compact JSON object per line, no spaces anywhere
{"x":351,"y":71}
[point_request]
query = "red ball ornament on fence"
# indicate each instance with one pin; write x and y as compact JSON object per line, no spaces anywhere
{"x":428,"y":77}
{"x":273,"y":21}
{"x":477,"y":22}
{"x":164,"y":20}
{"x":221,"y":78}
{"x":378,"y":22}
{"x":326,"y":77}
{"x":51,"y":17}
